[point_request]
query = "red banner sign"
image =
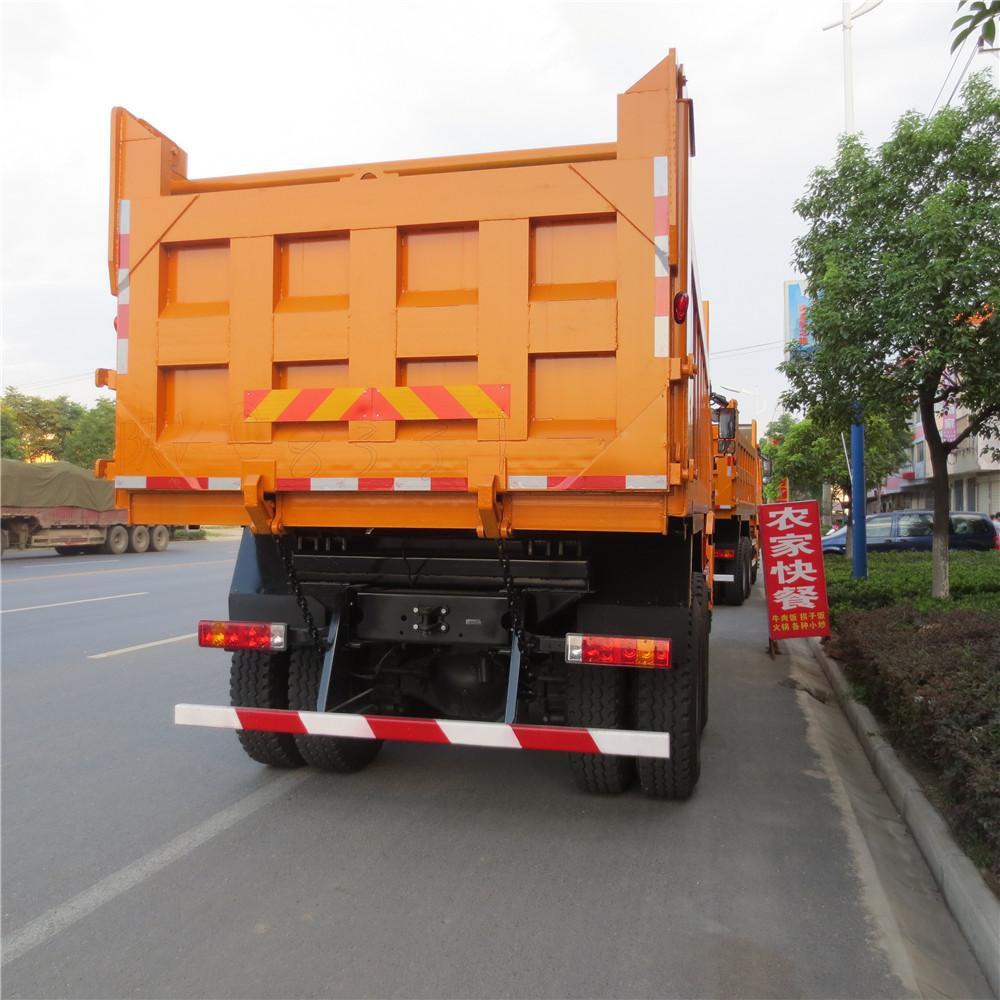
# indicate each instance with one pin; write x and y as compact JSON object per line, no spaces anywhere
{"x":793,"y":565}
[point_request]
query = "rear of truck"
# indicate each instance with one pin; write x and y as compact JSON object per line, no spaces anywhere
{"x":461,"y":408}
{"x":737,"y":493}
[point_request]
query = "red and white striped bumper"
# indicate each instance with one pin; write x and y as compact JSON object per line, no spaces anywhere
{"x":622,"y":742}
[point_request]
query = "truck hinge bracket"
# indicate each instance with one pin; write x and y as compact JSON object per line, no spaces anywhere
{"x":680,"y":369}
{"x":490,"y":510}
{"x":261,"y":510}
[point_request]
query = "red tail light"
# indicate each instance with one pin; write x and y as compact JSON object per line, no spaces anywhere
{"x":617,"y":651}
{"x":681,"y":301}
{"x":725,"y":553}
{"x":270,"y":636}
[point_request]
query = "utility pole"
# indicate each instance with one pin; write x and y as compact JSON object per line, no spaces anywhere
{"x":859,"y":541}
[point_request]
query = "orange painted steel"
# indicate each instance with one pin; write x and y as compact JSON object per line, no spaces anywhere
{"x":501,"y":320}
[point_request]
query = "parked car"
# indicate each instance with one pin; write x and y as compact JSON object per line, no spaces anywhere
{"x":912,"y":531}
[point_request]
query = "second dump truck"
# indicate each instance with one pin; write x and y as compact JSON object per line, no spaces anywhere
{"x":461,"y":407}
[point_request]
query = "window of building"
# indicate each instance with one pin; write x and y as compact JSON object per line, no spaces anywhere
{"x":971,"y":498}
{"x":918,"y":452}
{"x":958,"y":495}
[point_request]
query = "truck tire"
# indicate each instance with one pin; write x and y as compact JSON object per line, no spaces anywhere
{"x":747,"y":566}
{"x":754,"y":564}
{"x":734,"y":593}
{"x":138,"y":538}
{"x":599,"y":697}
{"x":159,"y":537}
{"x":699,"y":599}
{"x":667,"y":701}
{"x":116,"y":541}
{"x":260,"y":680}
{"x":331,"y":753}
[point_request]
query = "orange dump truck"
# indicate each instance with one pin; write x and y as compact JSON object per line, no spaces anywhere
{"x":461,"y":408}
{"x":737,"y":492}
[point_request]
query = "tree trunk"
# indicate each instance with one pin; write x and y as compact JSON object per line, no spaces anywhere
{"x":936,"y":448}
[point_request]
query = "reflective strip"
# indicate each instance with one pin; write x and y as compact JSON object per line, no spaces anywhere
{"x":660,"y":175}
{"x":224,"y":483}
{"x":122,"y":359}
{"x":415,"y":483}
{"x":130,"y":482}
{"x":528,"y":482}
{"x":123,"y":290}
{"x":724,"y":578}
{"x":444,"y":731}
{"x":202,"y":483}
{"x":661,"y":336}
{"x":124,"y":217}
{"x":372,"y":484}
{"x":645,"y":482}
{"x":333,"y":484}
{"x":562,"y":483}
{"x":661,"y":256}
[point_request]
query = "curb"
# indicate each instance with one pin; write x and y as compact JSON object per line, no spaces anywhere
{"x":972,"y":903}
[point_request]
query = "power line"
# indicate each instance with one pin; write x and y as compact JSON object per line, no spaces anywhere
{"x":749,"y":347}
{"x":972,"y":55}
{"x":947,"y":77}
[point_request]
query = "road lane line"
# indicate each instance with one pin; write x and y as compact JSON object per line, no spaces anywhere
{"x":142,"y":645}
{"x":83,"y":600}
{"x":128,"y":569}
{"x":56,"y":920}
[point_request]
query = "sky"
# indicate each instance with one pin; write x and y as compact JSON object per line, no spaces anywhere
{"x":251,"y":86}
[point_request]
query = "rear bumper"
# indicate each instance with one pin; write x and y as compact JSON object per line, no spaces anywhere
{"x":620,"y":742}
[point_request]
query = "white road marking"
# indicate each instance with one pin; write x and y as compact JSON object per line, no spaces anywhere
{"x":142,"y":645}
{"x":83,"y":600}
{"x":107,"y":572}
{"x":56,"y":920}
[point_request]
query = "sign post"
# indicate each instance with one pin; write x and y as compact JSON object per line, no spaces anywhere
{"x":794,"y":575}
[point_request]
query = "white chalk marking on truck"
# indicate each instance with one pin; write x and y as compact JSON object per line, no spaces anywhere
{"x":142,"y":645}
{"x":53,"y":921}
{"x":83,"y":600}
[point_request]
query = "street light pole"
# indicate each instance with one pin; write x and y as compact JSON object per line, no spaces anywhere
{"x":847,"y":23}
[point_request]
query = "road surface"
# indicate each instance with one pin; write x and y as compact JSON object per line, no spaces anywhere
{"x":140,"y":860}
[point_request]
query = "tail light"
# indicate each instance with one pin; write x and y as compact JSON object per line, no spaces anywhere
{"x":617,"y":651}
{"x":681,"y":302}
{"x":272,"y":636}
{"x":725,"y":553}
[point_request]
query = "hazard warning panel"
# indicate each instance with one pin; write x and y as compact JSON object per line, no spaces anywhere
{"x":793,"y":566}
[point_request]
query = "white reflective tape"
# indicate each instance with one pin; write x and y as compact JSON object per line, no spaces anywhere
{"x":661,"y":253}
{"x":337,"y":724}
{"x":214,"y":716}
{"x":224,"y":483}
{"x":661,"y":336}
{"x":660,"y":173}
{"x":636,"y":744}
{"x":645,"y":482}
{"x":123,"y":290}
{"x":724,"y":578}
{"x":725,"y":506}
{"x":333,"y":484}
{"x":122,"y":359}
{"x":422,"y":483}
{"x":124,"y":217}
{"x":479,"y":734}
{"x":130,"y":482}
{"x":528,"y":482}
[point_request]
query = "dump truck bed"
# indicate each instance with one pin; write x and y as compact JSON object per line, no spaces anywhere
{"x":737,"y":477}
{"x":455,"y":343}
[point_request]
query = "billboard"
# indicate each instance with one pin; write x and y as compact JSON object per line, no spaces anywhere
{"x":797,"y":333}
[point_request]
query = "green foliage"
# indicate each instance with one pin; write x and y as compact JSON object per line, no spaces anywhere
{"x":10,"y":433}
{"x":934,"y":678}
{"x":902,"y":260}
{"x":44,"y":423}
{"x":982,"y":18}
{"x":93,"y":437}
{"x":904,"y":577}
{"x":810,"y":453}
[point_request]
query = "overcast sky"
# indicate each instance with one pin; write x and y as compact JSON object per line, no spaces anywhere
{"x":253,"y":86}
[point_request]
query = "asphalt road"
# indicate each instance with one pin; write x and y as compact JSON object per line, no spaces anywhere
{"x":140,"y":860}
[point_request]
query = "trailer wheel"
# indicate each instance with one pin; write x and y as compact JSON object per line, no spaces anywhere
{"x":332,"y":753}
{"x":116,"y":541}
{"x":599,"y":697}
{"x":138,"y":538}
{"x":668,"y":701}
{"x":260,"y":680}
{"x":159,"y":537}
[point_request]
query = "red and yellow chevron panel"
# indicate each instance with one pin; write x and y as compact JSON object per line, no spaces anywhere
{"x":399,"y":402}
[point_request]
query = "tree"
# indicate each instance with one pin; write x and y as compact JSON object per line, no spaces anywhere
{"x":44,"y":423}
{"x":10,"y":433}
{"x":982,"y":17}
{"x":902,"y":259}
{"x":93,"y":437}
{"x":811,"y":453}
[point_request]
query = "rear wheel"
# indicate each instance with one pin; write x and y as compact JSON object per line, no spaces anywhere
{"x":699,"y":601}
{"x":598,"y":697}
{"x":260,"y":680}
{"x":668,"y":701}
{"x":747,"y":567}
{"x":332,"y":753}
{"x":138,"y":538}
{"x":734,"y":593}
{"x":117,"y":540}
{"x":159,"y":537}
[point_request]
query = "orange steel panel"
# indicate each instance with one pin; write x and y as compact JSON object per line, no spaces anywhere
{"x":738,"y":489}
{"x":532,"y":270}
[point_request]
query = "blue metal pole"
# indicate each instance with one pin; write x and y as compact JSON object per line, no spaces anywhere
{"x":859,"y":554}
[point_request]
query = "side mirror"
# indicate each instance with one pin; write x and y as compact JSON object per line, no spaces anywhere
{"x":727,"y":426}
{"x":765,"y":468}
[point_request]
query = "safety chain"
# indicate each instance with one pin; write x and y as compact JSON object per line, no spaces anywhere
{"x":292,"y":577}
{"x":517,"y":626}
